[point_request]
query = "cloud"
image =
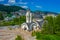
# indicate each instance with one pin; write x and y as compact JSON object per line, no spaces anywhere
{"x":22,"y":2}
{"x":1,"y":0}
{"x":11,"y":1}
{"x":24,"y":6}
{"x":7,"y":4}
{"x":39,"y":6}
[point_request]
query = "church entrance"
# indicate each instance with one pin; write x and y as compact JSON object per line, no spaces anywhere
{"x":25,"y":28}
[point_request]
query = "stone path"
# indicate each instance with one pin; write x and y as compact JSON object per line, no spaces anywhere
{"x":11,"y":34}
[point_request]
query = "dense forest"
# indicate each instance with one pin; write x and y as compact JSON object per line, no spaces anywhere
{"x":50,"y":29}
{"x":9,"y":9}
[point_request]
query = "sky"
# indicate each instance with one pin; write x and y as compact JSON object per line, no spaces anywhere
{"x":44,"y":5}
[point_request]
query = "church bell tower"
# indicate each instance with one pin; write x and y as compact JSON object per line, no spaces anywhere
{"x":28,"y":16}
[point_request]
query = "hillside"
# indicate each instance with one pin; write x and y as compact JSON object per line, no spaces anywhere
{"x":9,"y":9}
{"x":44,"y":12}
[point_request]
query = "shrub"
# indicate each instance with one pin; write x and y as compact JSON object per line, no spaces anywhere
{"x":33,"y":33}
{"x":18,"y":38}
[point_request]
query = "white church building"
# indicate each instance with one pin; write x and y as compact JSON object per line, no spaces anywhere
{"x":30,"y":24}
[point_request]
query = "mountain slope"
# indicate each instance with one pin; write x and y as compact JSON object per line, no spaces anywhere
{"x":10,"y":8}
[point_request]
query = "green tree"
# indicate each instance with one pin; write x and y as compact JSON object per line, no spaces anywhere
{"x":49,"y":25}
{"x":1,"y":16}
{"x":57,"y":29}
{"x":19,"y":20}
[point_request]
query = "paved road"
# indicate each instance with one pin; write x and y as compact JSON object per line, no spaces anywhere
{"x":11,"y":34}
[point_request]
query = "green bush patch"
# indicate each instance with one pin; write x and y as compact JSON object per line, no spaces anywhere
{"x":18,"y":38}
